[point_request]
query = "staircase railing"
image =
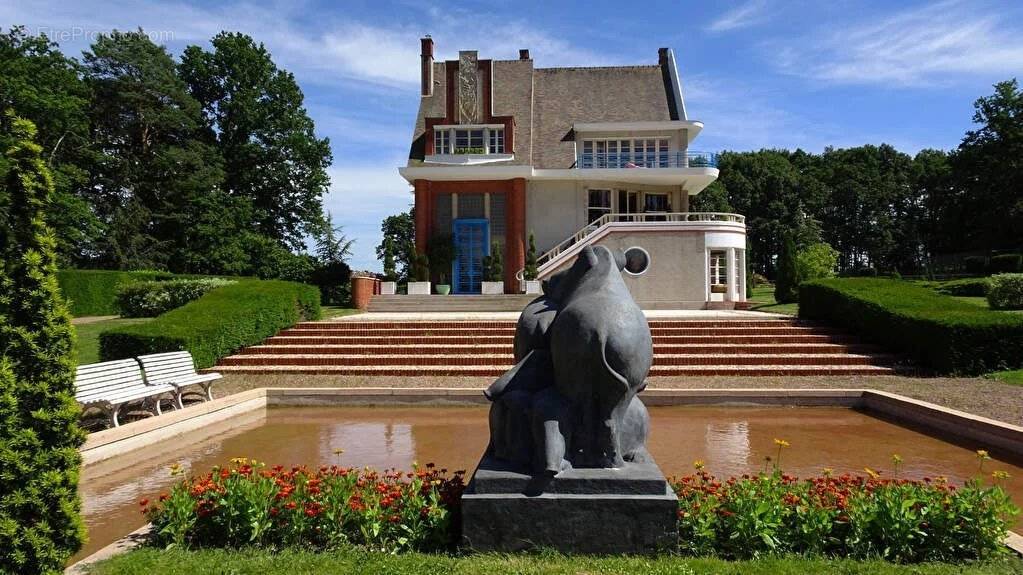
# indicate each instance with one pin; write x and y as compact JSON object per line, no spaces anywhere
{"x":646,"y":217}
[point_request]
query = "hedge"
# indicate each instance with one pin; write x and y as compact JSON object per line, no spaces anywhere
{"x":937,"y":331}
{"x":966,"y":287}
{"x":152,"y":298}
{"x":217,"y":324}
{"x":94,"y":292}
{"x":1006,"y":292}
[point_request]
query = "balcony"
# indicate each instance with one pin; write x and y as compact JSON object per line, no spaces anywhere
{"x":651,"y":160}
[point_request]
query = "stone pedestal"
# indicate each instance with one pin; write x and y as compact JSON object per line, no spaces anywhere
{"x":628,"y":510}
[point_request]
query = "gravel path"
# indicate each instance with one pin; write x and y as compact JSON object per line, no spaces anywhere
{"x":984,"y":397}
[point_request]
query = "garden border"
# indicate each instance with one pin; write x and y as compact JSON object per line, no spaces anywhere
{"x":109,"y":443}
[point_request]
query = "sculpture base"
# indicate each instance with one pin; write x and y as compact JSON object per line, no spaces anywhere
{"x":627,"y":510}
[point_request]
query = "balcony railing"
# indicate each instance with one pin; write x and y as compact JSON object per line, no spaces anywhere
{"x":647,"y":160}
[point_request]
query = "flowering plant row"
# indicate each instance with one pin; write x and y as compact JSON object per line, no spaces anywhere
{"x":248,"y":504}
{"x":842,"y":516}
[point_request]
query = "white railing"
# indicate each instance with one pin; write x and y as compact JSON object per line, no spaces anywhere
{"x":646,"y":217}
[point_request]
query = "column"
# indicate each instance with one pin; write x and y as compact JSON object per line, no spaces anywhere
{"x":730,"y":274}
{"x":514,"y":233}
{"x":742,"y":275}
{"x":423,"y":215}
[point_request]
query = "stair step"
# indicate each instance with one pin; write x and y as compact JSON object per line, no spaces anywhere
{"x":507,"y":359}
{"x":505,"y":348}
{"x":347,"y":339}
{"x":348,"y":325}
{"x":494,"y":371}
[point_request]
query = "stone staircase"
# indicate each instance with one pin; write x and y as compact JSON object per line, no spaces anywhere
{"x":452,"y":303}
{"x":730,"y":347}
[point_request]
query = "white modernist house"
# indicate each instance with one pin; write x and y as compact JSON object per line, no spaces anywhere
{"x":574,"y":156}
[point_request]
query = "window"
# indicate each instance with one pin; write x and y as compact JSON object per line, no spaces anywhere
{"x":718,"y":268}
{"x":637,"y":261}
{"x":496,"y":141}
{"x":469,"y":141}
{"x":648,"y":153}
{"x":441,"y":142}
{"x":600,"y":204}
{"x":656,"y":203}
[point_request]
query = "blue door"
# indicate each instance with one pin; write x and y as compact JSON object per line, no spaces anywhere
{"x":470,"y":237}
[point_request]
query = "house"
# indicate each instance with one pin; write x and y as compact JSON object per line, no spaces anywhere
{"x":574,"y":156}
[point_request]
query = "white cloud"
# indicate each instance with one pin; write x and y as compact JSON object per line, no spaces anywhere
{"x":918,"y":46}
{"x":742,"y":16}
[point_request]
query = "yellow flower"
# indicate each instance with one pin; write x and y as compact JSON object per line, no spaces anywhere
{"x":896,"y":459}
{"x":873,"y":474}
{"x":999,"y":474}
{"x":239,"y":460}
{"x":781,"y":442}
{"x":828,"y":472}
{"x":338,"y":451}
{"x":175,"y":469}
{"x":698,"y":464}
{"x":982,"y":454}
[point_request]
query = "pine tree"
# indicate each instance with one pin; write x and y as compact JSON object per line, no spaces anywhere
{"x":531,"y":272}
{"x":496,"y":264}
{"x":390,"y":274}
{"x":786,"y":285}
{"x":40,"y":524}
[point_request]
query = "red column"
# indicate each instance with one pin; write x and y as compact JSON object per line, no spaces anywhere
{"x":363,"y":290}
{"x":423,"y":215}
{"x":515,"y":234}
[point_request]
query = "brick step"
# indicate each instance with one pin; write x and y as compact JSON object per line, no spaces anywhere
{"x":508,"y":339}
{"x":417,"y":324}
{"x":507,"y":349}
{"x":421,"y":303}
{"x":494,"y":371}
{"x":442,"y":330}
{"x":506,"y":360}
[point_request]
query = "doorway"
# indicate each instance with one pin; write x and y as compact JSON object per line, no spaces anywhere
{"x":471,"y":246}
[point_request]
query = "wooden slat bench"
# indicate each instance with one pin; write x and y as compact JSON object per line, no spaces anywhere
{"x":113,"y":384}
{"x":176,"y":368}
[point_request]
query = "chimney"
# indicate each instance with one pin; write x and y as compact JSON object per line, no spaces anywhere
{"x":524,"y":54}
{"x":426,"y":88}
{"x":662,"y":56}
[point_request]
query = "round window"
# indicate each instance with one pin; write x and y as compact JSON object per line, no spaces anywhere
{"x":637,"y":261}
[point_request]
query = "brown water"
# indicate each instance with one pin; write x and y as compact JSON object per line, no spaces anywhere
{"x":730,"y":440}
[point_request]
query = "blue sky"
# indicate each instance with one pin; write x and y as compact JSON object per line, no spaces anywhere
{"x":758,"y":73}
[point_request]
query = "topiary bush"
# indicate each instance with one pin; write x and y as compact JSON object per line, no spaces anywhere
{"x":1006,"y":291}
{"x":786,"y":285}
{"x":937,"y":331}
{"x":967,"y":287}
{"x":219,"y":323}
{"x":817,"y":261}
{"x":40,"y":523}
{"x":152,"y":298}
{"x":1006,"y":264}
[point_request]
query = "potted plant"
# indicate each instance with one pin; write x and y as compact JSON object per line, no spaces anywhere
{"x":529,"y":274}
{"x":493,"y":272}
{"x":388,"y":286}
{"x":442,"y":254}
{"x":422,"y":284}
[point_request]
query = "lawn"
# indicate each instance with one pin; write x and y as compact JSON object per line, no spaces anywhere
{"x":332,"y":311}
{"x":763,"y":300}
{"x":1014,"y":377}
{"x":87,"y":347}
{"x":179,"y":562}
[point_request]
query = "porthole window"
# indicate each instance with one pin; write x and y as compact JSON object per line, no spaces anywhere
{"x":637,"y":261}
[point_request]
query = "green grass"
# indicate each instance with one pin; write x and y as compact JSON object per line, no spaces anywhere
{"x":329,"y":311}
{"x":179,"y":562}
{"x":87,"y":346}
{"x":1014,"y":377}
{"x":763,"y":300}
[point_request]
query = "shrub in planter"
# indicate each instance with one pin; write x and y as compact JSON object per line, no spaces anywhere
{"x":935,"y":330}
{"x":967,"y":287}
{"x":844,"y":516}
{"x":152,"y":298}
{"x":248,"y":504}
{"x":975,"y":265}
{"x":1006,"y":264}
{"x":219,"y":323}
{"x":1006,"y":291}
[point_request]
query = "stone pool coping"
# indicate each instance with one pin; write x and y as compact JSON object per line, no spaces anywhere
{"x":109,"y":443}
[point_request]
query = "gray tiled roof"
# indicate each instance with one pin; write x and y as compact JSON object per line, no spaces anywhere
{"x":546,"y":102}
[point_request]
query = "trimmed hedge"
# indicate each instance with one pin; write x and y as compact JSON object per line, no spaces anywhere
{"x":1006,"y":292}
{"x":967,"y":287}
{"x":1006,"y":264}
{"x":938,"y":331}
{"x":217,"y":324}
{"x":152,"y":298}
{"x":94,"y":292}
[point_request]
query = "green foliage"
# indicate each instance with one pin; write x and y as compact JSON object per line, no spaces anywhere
{"x":331,"y":273}
{"x":249,"y":505}
{"x":254,"y":116}
{"x":937,"y":331}
{"x":786,"y":284}
{"x":441,"y":253}
{"x":399,"y":231}
{"x":152,"y":298}
{"x":493,"y":266}
{"x":40,"y":524}
{"x":975,"y":265}
{"x":1006,"y":264}
{"x":846,"y":516}
{"x":966,"y":287}
{"x":422,"y":268}
{"x":272,"y":260}
{"x":1006,"y":291}
{"x":390,"y":272}
{"x":531,"y":271}
{"x":817,"y":261}
{"x":219,"y":323}
{"x":94,"y":292}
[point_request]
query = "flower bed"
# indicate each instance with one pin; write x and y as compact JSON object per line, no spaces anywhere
{"x":248,"y":504}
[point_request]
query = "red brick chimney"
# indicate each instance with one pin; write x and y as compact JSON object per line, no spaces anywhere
{"x":426,"y":88}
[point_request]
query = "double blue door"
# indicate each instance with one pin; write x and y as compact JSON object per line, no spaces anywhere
{"x":470,"y":238}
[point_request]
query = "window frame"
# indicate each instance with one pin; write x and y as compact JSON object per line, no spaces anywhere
{"x":602,"y":210}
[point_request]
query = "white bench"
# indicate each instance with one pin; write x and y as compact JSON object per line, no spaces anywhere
{"x":176,"y":368}
{"x":113,"y":384}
